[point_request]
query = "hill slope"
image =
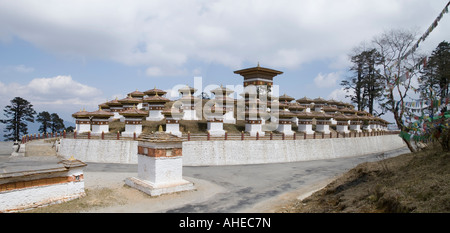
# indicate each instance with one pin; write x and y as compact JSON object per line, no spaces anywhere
{"x":414,"y":182}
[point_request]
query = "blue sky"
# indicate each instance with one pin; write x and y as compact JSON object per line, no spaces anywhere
{"x":63,"y":56}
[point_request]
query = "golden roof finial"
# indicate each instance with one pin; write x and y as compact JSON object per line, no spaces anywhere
{"x":258,"y":63}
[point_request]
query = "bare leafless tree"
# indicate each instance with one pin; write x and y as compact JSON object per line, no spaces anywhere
{"x":399,"y":57}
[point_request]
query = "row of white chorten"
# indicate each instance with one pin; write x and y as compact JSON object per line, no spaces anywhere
{"x":280,"y":111}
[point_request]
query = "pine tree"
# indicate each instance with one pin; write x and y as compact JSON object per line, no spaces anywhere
{"x":365,"y":83}
{"x":57,"y":124}
{"x":436,"y":74}
{"x":18,"y":113}
{"x":45,"y":119}
{"x":372,"y":78}
{"x":355,"y":83}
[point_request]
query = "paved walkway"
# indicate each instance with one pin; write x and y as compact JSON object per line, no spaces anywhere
{"x":230,"y":189}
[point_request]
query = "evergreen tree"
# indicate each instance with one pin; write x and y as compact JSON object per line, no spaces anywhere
{"x":355,"y":83}
{"x":18,"y":113}
{"x":57,"y":124}
{"x":436,"y":74}
{"x":45,"y":119}
{"x":371,"y":78}
{"x":365,"y":84}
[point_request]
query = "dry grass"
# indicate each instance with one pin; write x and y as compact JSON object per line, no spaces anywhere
{"x":95,"y":198}
{"x":415,"y":182}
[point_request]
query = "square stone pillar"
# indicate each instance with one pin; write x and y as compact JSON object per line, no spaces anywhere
{"x":99,"y":126}
{"x":356,"y":126}
{"x":160,"y":168}
{"x":285,"y":126}
{"x":215,"y":127}
{"x":83,"y":125}
{"x":323,"y":126}
{"x":132,"y":126}
{"x":253,"y":127}
{"x":342,"y":127}
{"x":305,"y":126}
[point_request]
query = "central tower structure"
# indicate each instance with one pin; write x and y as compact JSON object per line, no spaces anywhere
{"x":259,"y":76}
{"x":258,"y":83}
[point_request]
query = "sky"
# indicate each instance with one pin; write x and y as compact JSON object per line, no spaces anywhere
{"x":63,"y":56}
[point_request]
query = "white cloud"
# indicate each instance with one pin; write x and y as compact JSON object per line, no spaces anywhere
{"x":167,"y":34}
{"x":339,"y":94}
{"x":61,"y":87}
{"x":153,"y":71}
{"x":327,"y":80}
{"x":60,"y":92}
{"x":23,"y":69}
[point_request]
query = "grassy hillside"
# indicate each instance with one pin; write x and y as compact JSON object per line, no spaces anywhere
{"x":414,"y":182}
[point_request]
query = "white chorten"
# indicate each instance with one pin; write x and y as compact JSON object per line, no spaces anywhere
{"x":133,"y":121}
{"x":100,"y":121}
{"x":82,"y":121}
{"x":188,"y":103}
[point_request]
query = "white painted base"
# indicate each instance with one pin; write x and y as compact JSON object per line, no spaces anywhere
{"x":342,"y":128}
{"x":253,"y":128}
{"x":367,"y":128}
{"x":215,"y":129}
{"x":323,"y":129}
{"x":154,"y":190}
{"x":305,"y":129}
{"x":82,"y":128}
{"x":131,"y":129}
{"x":158,"y":176}
{"x":356,"y":128}
{"x":173,"y":129}
{"x":98,"y":129}
{"x":286,"y":129}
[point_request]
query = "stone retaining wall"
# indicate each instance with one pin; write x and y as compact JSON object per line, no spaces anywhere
{"x":233,"y":152}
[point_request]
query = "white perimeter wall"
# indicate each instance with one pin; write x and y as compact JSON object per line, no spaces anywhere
{"x":20,"y":199}
{"x":99,"y":151}
{"x":203,"y":153}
